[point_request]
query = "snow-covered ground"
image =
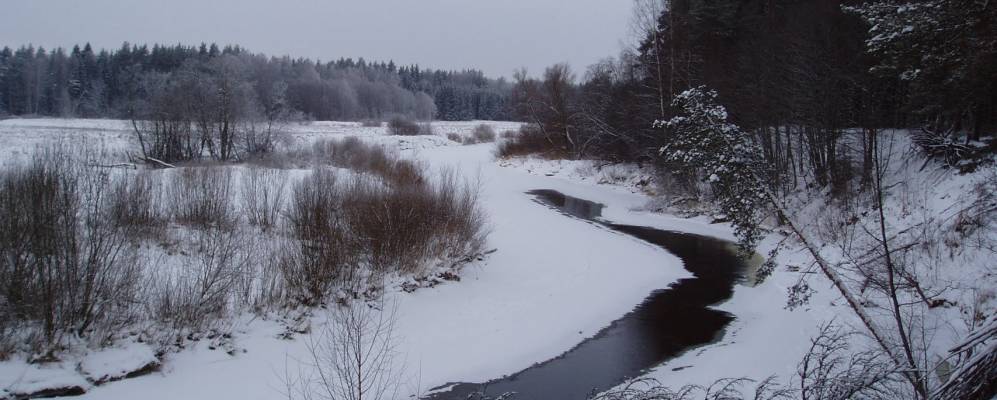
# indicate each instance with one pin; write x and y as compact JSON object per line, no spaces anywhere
{"x":935,"y":211}
{"x":552,"y":282}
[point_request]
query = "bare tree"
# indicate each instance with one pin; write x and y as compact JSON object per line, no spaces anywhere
{"x":354,"y":357}
{"x":644,"y":26}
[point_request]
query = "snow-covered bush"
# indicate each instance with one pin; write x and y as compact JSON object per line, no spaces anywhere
{"x":701,"y":139}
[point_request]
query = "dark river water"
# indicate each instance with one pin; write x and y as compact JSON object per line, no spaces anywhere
{"x":669,"y":321}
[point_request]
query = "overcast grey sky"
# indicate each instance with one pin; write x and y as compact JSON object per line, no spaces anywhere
{"x":496,"y":36}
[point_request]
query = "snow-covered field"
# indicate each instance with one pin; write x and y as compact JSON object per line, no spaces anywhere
{"x":552,"y":282}
{"x":546,"y":288}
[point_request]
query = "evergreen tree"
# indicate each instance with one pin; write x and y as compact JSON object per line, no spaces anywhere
{"x":701,"y":138}
{"x":946,"y":50}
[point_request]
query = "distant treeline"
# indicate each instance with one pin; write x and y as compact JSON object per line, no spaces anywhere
{"x":86,"y":83}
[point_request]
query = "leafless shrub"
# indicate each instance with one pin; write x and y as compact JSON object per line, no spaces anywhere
{"x":354,"y":154}
{"x":135,"y":201}
{"x":65,"y":267}
{"x":390,"y":224}
{"x":426,"y":129}
{"x":263,"y":195}
{"x":402,"y":126}
{"x":371,"y":123}
{"x":400,"y":228}
{"x":458,"y":208}
{"x":10,"y":327}
{"x":341,"y":226}
{"x":200,"y":196}
{"x":351,"y":153}
{"x":832,"y":370}
{"x":263,"y":131}
{"x":260,"y":286}
{"x":722,"y":389}
{"x":530,"y":140}
{"x":402,"y":173}
{"x":324,"y":254}
{"x":354,"y":357}
{"x":193,"y":294}
{"x":483,"y":134}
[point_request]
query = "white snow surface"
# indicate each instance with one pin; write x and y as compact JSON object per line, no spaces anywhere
{"x":18,"y":377}
{"x":117,"y":362}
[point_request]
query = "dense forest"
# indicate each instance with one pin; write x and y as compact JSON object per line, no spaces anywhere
{"x":88,"y":83}
{"x":785,"y":71}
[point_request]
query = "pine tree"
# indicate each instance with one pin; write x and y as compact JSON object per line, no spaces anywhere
{"x":700,"y":138}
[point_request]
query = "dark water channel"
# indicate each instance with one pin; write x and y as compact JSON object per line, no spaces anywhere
{"x":668,"y":322}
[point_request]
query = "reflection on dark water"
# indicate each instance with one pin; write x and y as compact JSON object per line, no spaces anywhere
{"x":667,"y":323}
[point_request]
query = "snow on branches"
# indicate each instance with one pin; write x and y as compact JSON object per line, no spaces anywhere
{"x":913,"y":37}
{"x":701,"y":139}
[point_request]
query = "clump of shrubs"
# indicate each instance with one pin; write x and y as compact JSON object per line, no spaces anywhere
{"x":136,"y":200}
{"x":426,"y":129}
{"x":530,"y":140}
{"x":66,"y":264}
{"x":354,"y":154}
{"x":371,"y":123}
{"x":334,"y":229}
{"x":323,"y":251}
{"x":402,"y":126}
{"x":350,"y":228}
{"x":482,"y":133}
{"x":263,"y":196}
{"x":350,"y":153}
{"x":201,"y":197}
